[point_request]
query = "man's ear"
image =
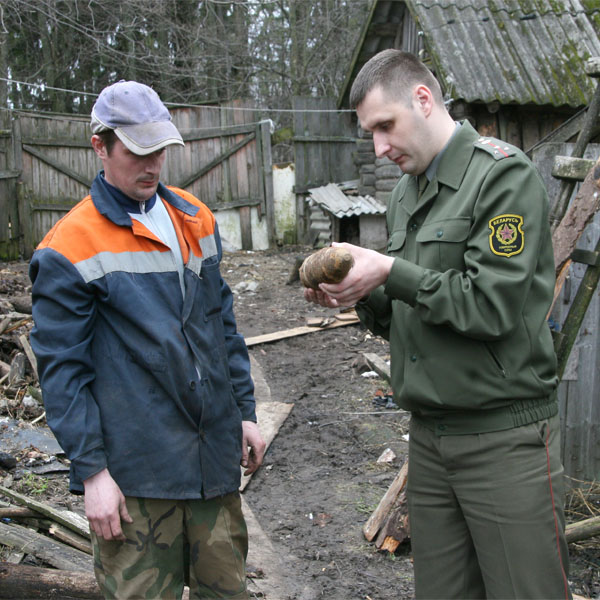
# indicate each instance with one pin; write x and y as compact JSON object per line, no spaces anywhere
{"x":423,"y":99}
{"x":99,"y":147}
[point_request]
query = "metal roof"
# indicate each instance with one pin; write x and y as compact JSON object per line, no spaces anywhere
{"x":331,"y":198}
{"x":507,"y":51}
{"x":513,"y":51}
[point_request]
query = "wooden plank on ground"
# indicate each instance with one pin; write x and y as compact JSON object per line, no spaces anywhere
{"x":378,"y":365}
{"x":54,"y":553}
{"x":271,"y":416}
{"x":302,"y":330}
{"x":275,"y":578}
{"x":72,"y":520}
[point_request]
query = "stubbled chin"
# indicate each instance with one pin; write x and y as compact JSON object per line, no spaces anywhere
{"x":145,"y":194}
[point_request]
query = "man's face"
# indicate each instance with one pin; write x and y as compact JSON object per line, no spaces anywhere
{"x":136,"y":176}
{"x":400,"y":131}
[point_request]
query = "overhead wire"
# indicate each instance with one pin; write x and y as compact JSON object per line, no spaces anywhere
{"x":184,"y":105}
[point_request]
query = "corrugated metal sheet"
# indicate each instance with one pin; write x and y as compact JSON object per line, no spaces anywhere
{"x":512,"y":51}
{"x":331,"y":198}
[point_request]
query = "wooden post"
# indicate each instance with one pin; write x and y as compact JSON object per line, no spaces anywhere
{"x":267,"y":170}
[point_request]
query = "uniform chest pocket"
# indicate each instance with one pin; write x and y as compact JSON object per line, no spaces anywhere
{"x":441,"y":244}
{"x":396,"y":242}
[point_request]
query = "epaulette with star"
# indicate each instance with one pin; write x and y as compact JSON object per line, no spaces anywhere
{"x":496,"y":148}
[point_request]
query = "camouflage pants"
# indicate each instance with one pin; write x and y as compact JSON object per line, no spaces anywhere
{"x":172,"y":543}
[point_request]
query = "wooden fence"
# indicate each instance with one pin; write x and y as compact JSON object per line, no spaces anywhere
{"x":324,"y":147}
{"x":48,"y":166}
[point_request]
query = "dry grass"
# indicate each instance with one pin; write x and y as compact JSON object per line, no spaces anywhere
{"x":583,"y":500}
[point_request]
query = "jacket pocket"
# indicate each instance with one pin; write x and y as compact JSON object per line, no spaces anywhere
{"x":441,"y":244}
{"x":496,"y":360}
{"x":210,"y":278}
{"x":396,"y":242}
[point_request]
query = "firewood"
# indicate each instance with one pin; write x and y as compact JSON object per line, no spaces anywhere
{"x":17,"y":369}
{"x":396,"y":527}
{"x":25,"y":582}
{"x":54,"y":553}
{"x":380,"y":515}
{"x":29,"y":352}
{"x":73,"y":521}
{"x":65,"y":535}
{"x":18,"y":512}
{"x":583,"y":530}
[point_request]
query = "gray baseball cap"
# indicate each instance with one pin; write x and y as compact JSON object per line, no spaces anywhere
{"x":137,"y":115}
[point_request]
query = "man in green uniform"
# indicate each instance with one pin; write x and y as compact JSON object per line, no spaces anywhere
{"x":462,"y":296}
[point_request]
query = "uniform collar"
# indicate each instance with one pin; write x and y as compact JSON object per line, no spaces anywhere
{"x":455,"y":160}
{"x":116,"y":206}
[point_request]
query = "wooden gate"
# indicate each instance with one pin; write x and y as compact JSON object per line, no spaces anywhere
{"x":226,"y":163}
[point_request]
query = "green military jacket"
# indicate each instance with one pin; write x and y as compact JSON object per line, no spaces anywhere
{"x":465,"y":304}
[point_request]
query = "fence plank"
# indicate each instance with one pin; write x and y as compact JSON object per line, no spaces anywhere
{"x":266,"y":165}
{"x":217,"y":160}
{"x":57,"y":166}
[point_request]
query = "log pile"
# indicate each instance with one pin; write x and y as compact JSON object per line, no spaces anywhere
{"x":20,"y":395}
{"x":388,"y":525}
{"x":57,"y":541}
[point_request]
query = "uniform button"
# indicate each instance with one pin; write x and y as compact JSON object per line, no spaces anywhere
{"x":413,"y":358}
{"x":202,"y":435}
{"x":413,"y":227}
{"x":440,"y":233}
{"x":192,"y":385}
{"x":441,"y":427}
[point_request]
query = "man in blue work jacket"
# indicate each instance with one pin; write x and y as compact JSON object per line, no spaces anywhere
{"x":146,"y":381}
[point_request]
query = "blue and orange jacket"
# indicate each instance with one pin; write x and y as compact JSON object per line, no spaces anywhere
{"x":118,"y":344}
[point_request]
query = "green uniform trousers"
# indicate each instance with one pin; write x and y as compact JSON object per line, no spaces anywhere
{"x":487,"y":513}
{"x":201,"y":543}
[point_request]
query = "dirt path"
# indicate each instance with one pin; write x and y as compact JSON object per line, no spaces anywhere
{"x":321,"y":480}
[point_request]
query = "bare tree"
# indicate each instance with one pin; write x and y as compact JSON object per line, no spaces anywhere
{"x":190,"y":51}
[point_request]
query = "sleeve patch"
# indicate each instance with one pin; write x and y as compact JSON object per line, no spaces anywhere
{"x":496,"y":148}
{"x":507,"y":237}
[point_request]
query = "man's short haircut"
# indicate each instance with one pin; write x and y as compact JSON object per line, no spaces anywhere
{"x":108,"y":137}
{"x":397,"y":73}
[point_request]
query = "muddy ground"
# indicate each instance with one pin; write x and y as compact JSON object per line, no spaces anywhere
{"x":320,"y":480}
